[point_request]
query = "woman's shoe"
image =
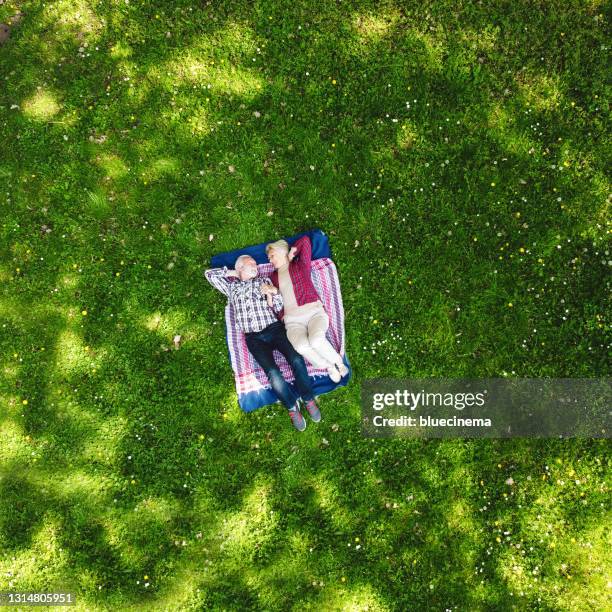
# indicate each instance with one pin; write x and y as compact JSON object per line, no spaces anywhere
{"x":334,"y":374}
{"x":313,"y":410}
{"x":299,"y":422}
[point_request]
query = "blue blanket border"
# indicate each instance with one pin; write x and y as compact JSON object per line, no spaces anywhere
{"x":318,"y":238}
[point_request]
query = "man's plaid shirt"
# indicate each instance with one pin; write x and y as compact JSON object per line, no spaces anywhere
{"x":250,"y":306}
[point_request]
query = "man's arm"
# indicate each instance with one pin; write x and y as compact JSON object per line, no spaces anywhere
{"x":303,"y":249}
{"x":220,"y":278}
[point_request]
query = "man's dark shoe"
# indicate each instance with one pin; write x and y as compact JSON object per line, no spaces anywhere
{"x":297,"y":419}
{"x":313,"y":410}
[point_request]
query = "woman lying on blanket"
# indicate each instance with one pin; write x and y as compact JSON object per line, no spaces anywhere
{"x":303,"y":314}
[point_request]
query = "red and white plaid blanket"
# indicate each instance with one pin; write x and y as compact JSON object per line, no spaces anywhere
{"x":248,"y":374}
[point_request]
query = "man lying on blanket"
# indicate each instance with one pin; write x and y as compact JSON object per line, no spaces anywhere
{"x":255,"y":302}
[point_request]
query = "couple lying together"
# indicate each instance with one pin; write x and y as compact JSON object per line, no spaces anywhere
{"x":282,"y":312}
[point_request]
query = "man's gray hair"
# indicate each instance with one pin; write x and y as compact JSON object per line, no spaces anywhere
{"x":241,"y":261}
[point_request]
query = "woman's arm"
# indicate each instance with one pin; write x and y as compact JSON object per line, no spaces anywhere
{"x":302,"y":248}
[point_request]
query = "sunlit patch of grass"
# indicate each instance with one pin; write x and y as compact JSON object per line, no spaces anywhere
{"x":167,"y":324}
{"x":585,"y":566}
{"x":69,"y":280}
{"x":121,"y":50}
{"x":75,"y":16}
{"x":512,"y":568}
{"x":14,"y":446}
{"x":10,"y":371}
{"x":433,"y":49}
{"x":162,"y":509}
{"x":41,"y":106}
{"x":13,"y":405}
{"x":114,"y":167}
{"x":407,"y":135}
{"x":200,"y":123}
{"x":574,"y":571}
{"x":372,"y":27}
{"x":11,"y":307}
{"x":71,"y":352}
{"x":237,"y":39}
{"x":298,"y":544}
{"x":601,"y":217}
{"x":223,"y":77}
{"x":477,"y":41}
{"x":79,"y":484}
{"x":5,"y":274}
{"x":229,"y":410}
{"x":541,"y":92}
{"x":459,"y":518}
{"x":359,"y":597}
{"x":42,"y":562}
{"x":158,"y":168}
{"x":151,"y":322}
{"x":252,"y":526}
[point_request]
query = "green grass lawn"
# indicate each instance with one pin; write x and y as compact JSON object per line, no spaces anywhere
{"x":456,"y":153}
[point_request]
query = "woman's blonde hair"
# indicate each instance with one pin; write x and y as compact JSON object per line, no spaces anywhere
{"x":279,"y":245}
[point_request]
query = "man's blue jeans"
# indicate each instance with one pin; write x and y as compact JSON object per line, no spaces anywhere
{"x":262,"y":344}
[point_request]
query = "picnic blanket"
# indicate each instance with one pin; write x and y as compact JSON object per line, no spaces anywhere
{"x":252,"y":384}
